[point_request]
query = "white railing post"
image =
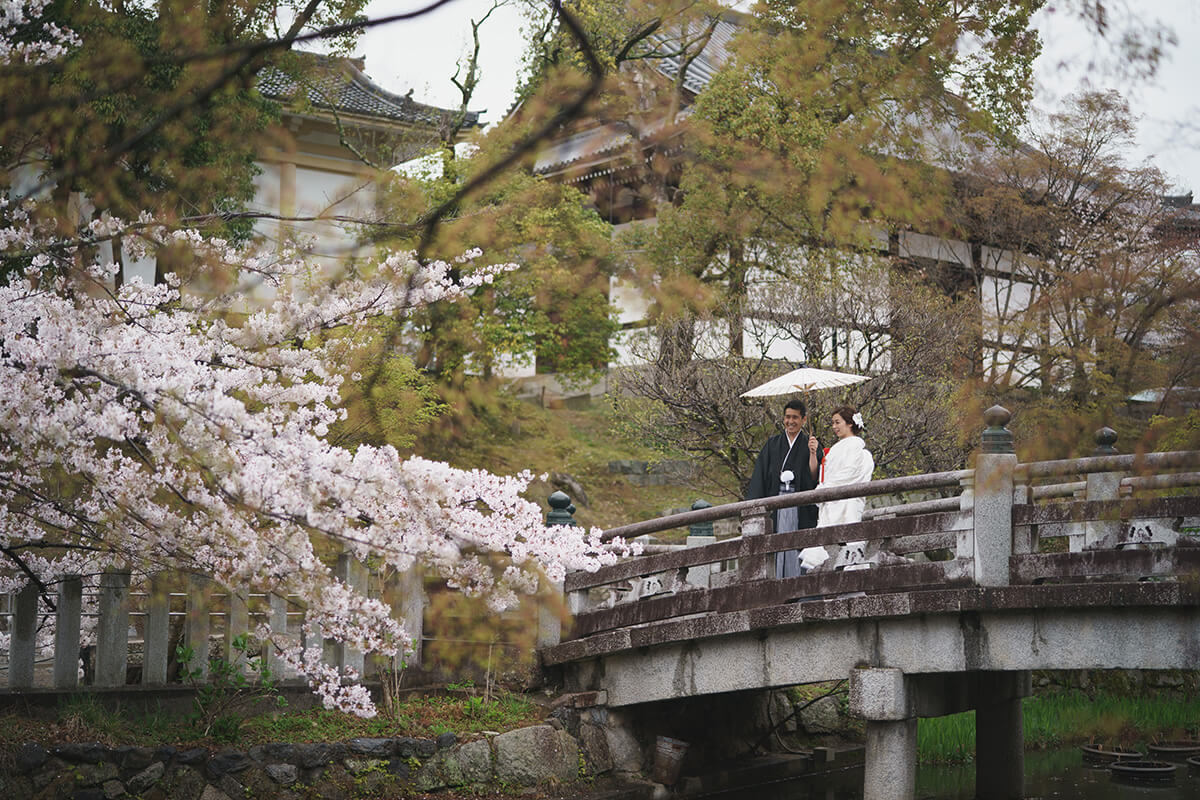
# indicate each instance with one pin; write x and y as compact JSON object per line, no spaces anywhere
{"x":66,"y":632}
{"x":410,"y":604}
{"x":278,"y":624}
{"x":23,"y":641}
{"x":157,"y":637}
{"x":237,"y":622}
{"x":353,"y":573}
{"x":1103,"y":486}
{"x":112,"y":631}
{"x":198,"y":624}
{"x":993,"y":500}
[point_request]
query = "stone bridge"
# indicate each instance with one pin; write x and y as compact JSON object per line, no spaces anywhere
{"x":1089,"y":563}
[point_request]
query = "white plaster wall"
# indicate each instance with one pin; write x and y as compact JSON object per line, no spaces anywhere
{"x":1003,"y":305}
{"x":266,"y":201}
{"x":631,"y":303}
{"x":920,"y":245}
{"x":632,"y":346}
{"x":323,"y":194}
{"x":767,"y":340}
{"x":511,"y":365}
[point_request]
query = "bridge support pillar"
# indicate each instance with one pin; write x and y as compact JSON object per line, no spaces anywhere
{"x":882,"y":698}
{"x":999,"y":740}
{"x":891,"y":760}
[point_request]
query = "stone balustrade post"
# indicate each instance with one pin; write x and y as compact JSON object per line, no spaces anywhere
{"x":67,"y":618}
{"x":965,"y":540}
{"x":756,"y":522}
{"x":23,"y":641}
{"x":197,"y":625}
{"x":112,"y":630}
{"x":549,"y":632}
{"x":1025,"y":540}
{"x":1103,"y":486}
{"x":993,"y":500}
{"x":353,"y":573}
{"x":562,"y":510}
{"x":1076,"y":537}
{"x":699,"y":535}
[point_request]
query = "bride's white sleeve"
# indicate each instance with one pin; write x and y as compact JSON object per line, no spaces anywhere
{"x":866,"y":467}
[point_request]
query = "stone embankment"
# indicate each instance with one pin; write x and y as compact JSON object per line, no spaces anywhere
{"x":541,"y":755}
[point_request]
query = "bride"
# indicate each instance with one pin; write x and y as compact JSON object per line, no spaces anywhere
{"x":848,"y":461}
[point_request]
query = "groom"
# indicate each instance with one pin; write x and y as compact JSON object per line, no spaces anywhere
{"x":793,"y":451}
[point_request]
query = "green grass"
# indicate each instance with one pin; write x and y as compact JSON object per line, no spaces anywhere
{"x":83,"y":718}
{"x":424,"y":717}
{"x":1065,"y":719}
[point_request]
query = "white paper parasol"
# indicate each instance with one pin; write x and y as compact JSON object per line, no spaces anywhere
{"x":805,"y":379}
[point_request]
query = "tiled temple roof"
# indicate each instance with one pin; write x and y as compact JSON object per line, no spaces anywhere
{"x":340,"y":84}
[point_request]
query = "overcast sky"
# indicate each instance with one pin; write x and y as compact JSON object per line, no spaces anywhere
{"x":421,"y":55}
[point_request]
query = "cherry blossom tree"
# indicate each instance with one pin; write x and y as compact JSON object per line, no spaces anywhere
{"x":183,"y":426}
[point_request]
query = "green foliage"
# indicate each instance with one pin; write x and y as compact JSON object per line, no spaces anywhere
{"x":554,"y":307}
{"x":1175,"y":433}
{"x":1067,"y":718}
{"x":946,"y":740}
{"x":221,"y":700}
{"x":821,"y":122}
{"x":473,"y":639}
{"x":387,"y":399}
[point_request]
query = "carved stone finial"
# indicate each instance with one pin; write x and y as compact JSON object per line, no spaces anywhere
{"x":996,"y":437}
{"x":700,"y":528}
{"x":1105,"y":438}
{"x":561,"y":510}
{"x":997,"y":417}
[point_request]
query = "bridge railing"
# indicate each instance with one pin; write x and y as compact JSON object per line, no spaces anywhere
{"x":994,"y":532}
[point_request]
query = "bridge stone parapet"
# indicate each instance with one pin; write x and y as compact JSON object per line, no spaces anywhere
{"x":1140,"y":625}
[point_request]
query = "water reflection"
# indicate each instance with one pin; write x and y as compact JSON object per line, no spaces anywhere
{"x":1058,"y":774}
{"x":1049,"y":775}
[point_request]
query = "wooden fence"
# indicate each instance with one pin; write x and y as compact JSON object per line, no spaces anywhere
{"x":139,"y":619}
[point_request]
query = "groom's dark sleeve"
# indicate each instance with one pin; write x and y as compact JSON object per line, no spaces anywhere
{"x":758,"y":481}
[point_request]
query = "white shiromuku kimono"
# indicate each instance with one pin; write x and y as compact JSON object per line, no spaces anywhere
{"x":848,"y":461}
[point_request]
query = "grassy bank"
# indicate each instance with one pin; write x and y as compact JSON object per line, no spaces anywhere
{"x":83,"y":718}
{"x":1065,"y":719}
{"x":579,"y":443}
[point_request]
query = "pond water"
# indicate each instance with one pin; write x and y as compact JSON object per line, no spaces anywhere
{"x":1049,"y":775}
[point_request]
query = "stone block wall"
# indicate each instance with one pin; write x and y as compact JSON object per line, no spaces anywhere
{"x":540,"y":755}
